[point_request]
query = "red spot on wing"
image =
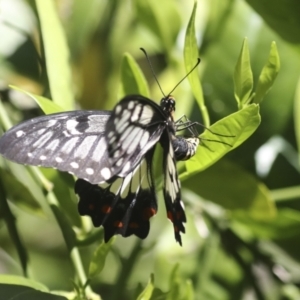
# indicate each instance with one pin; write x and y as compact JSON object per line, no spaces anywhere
{"x":106,"y":209}
{"x":170,"y":216}
{"x":148,"y":213}
{"x":118,"y":224}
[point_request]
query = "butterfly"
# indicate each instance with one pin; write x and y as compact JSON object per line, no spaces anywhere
{"x":111,"y":153}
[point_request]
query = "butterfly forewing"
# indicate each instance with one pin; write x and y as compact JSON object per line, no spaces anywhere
{"x":70,"y":141}
{"x":123,"y":206}
{"x":135,"y":126}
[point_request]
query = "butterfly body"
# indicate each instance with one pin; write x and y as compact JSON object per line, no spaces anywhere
{"x":111,"y":153}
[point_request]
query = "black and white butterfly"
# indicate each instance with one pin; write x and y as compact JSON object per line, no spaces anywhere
{"x":111,"y":153}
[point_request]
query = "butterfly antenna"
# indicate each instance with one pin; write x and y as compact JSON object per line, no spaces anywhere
{"x":151,"y":67}
{"x":194,"y":67}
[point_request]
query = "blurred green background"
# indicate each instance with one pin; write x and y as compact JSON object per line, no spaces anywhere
{"x":242,"y":236}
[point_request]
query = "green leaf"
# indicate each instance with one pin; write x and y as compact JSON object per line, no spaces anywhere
{"x":98,"y":260}
{"x":47,"y":106}
{"x":268,"y":74}
{"x":18,"y":292}
{"x":239,"y":126}
{"x":174,"y":292}
{"x":233,"y":188}
{"x":190,"y":59}
{"x":189,"y":291}
{"x":243,"y":77}
{"x":133,"y":79}
{"x":147,"y":292}
{"x":57,"y":54}
{"x":22,"y":281}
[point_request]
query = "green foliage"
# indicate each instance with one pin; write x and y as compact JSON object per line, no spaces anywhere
{"x":242,"y":232}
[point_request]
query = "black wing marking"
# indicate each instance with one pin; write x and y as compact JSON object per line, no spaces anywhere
{"x":172,"y":193}
{"x":70,"y":141}
{"x":123,"y":206}
{"x":134,"y":127}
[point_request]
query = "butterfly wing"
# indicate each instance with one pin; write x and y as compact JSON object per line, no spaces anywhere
{"x":71,"y":141}
{"x":123,"y":206}
{"x":172,"y":188}
{"x":135,"y":126}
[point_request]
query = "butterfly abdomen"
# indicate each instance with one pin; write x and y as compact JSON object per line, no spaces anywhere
{"x":185,"y":148}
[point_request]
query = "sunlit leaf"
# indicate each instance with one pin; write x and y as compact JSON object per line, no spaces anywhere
{"x":238,"y":127}
{"x":147,"y":292}
{"x":190,"y":59}
{"x":22,"y":281}
{"x":268,"y":74}
{"x":57,"y":54}
{"x":98,"y":260}
{"x":243,"y":77}
{"x":47,"y":106}
{"x":133,"y":79}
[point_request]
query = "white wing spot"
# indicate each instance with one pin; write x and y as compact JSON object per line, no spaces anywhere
{"x":74,"y":165}
{"x":29,"y":154}
{"x":131,"y":104}
{"x":71,"y":124}
{"x":84,"y":148}
{"x":43,"y":157}
{"x":41,"y":131}
{"x":118,"y":109}
{"x":144,"y":139}
{"x":43,"y":139}
{"x":105,"y":172}
{"x":89,"y":171}
{"x":51,"y":123}
{"x":136,"y":113}
{"x":65,"y":133}
{"x":58,"y":159}
{"x":100,"y":150}
{"x":146,"y":115}
{"x":123,"y":120}
{"x":119,"y":162}
{"x":53,"y":144}
{"x":133,"y":143}
{"x":20,"y":133}
{"x":69,"y":145}
{"x":126,"y":167}
{"x":116,"y":153}
{"x":116,"y":121}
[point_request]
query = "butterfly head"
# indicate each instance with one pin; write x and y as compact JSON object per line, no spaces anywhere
{"x":168,"y":104}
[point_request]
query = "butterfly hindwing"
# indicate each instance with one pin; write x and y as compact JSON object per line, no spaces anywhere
{"x":172,"y":188}
{"x":134,"y":127}
{"x":124,"y":205}
{"x":71,"y":141}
